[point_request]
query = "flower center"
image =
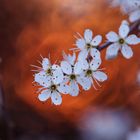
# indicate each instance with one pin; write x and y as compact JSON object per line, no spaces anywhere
{"x":88,"y":46}
{"x":89,"y":72}
{"x":53,"y":87}
{"x":72,"y":77}
{"x":121,"y":41}
{"x":48,"y":71}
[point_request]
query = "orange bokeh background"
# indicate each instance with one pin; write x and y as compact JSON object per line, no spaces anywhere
{"x":31,"y":28}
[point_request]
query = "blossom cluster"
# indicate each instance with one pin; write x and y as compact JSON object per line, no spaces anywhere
{"x":82,"y":70}
{"x":130,"y":7}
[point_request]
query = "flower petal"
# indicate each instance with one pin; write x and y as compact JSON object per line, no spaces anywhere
{"x":132,"y":40}
{"x":57,"y":76}
{"x":127,"y":51}
{"x":66,"y":79}
{"x":88,"y":35}
{"x":124,"y":30}
{"x":95,"y":53}
{"x":44,"y":95}
{"x":112,"y":36}
{"x":56,"y":98}
{"x":78,"y":68}
{"x":134,"y":16}
{"x":95,"y":63}
{"x":125,"y":22}
{"x":42,"y":79}
{"x":63,"y":88}
{"x":80,"y":43}
{"x":96,"y":40}
{"x":74,"y":88}
{"x":54,"y":67}
{"x":84,"y":82}
{"x":112,"y":51}
{"x":82,"y":55}
{"x":69,"y":58}
{"x":66,"y":67}
{"x":72,"y":58}
{"x":45,"y":63}
{"x":100,"y":76}
{"x":85,"y":64}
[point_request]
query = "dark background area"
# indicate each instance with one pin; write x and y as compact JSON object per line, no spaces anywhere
{"x":29,"y":28}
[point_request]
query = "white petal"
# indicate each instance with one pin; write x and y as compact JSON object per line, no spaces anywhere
{"x":80,"y":43}
{"x":54,"y":67}
{"x":96,"y":40}
{"x":44,"y":95}
{"x":69,"y":58}
{"x":66,"y":67}
{"x":112,"y":36}
{"x":74,"y":88}
{"x":112,"y":51}
{"x":43,"y":79}
{"x":56,"y":98}
{"x":127,"y":51}
{"x":66,"y":79}
{"x":100,"y":76}
{"x":95,"y":53}
{"x":45,"y":63}
{"x":124,"y":30}
{"x":57,"y":76}
{"x":85,"y":64}
{"x":125,"y":22}
{"x":95,"y":63}
{"x":78,"y":67}
{"x":82,"y":55}
{"x":84,"y":82}
{"x":88,"y":35}
{"x":134,"y":16}
{"x":132,"y":40}
{"x":63,"y":88}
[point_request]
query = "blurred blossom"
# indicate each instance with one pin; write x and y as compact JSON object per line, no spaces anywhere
{"x":134,"y":135}
{"x":105,"y":125}
{"x":130,"y":7}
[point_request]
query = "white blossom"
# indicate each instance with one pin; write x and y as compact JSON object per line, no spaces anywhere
{"x":73,"y":77}
{"x":135,"y":15}
{"x":48,"y":74}
{"x":54,"y":92}
{"x":130,"y":7}
{"x":134,"y":135}
{"x":92,"y":73}
{"x":121,"y":42}
{"x":88,"y":45}
{"x":51,"y":78}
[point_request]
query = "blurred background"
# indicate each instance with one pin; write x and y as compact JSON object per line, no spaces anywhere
{"x":29,"y":28}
